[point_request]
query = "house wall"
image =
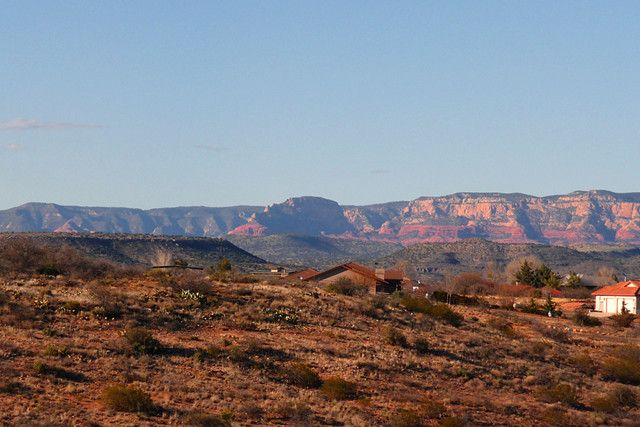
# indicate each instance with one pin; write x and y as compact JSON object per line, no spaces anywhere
{"x":354,"y":277}
{"x":613,"y":304}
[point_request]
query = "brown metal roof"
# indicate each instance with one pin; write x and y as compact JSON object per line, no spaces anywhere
{"x":302,"y":274}
{"x":353,"y":266}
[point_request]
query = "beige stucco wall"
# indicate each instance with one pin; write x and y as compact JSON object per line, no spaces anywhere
{"x":613,"y":304}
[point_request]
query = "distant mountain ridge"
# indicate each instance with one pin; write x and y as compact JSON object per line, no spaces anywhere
{"x":581,"y":217}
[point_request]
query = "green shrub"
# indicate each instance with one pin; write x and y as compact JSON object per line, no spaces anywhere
{"x":623,"y":320}
{"x":441,"y":312}
{"x":295,"y":411}
{"x":127,"y":399}
{"x":395,"y":337}
{"x":344,"y":286}
{"x":584,"y":363}
{"x":54,"y":351}
{"x":421,"y":345}
{"x":406,"y":418}
{"x":616,"y":400}
{"x":502,"y":326}
{"x":445,"y":314}
{"x":582,"y":318}
{"x":49,"y":270}
{"x":337,"y":388}
{"x":42,"y":368}
{"x":281,"y":315}
{"x":556,"y":416}
{"x":561,"y":392}
{"x":623,"y":365}
{"x":457,"y":299}
{"x":433,"y":409}
{"x":142,"y":341}
{"x":300,"y":374}
{"x":201,"y":419}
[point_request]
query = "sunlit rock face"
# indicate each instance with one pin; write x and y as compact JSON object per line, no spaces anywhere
{"x":575,"y":218}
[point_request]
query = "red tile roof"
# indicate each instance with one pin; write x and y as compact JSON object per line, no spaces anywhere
{"x":622,"y":289}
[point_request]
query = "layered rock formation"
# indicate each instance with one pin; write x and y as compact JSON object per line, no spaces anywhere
{"x":575,"y":218}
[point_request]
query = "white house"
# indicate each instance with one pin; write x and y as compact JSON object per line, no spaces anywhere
{"x":611,"y":299}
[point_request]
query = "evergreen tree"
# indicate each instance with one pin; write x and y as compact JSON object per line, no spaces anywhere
{"x":546,"y":277}
{"x":573,"y":279}
{"x":526,"y":275}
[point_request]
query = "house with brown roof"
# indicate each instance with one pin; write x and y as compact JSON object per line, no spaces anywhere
{"x":611,"y":299}
{"x":376,"y":281}
{"x":301,"y":274}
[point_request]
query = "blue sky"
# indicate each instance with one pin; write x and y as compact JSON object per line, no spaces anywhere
{"x":152,"y":104}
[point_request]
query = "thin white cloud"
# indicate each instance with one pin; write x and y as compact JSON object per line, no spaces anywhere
{"x":380,"y":172}
{"x":13,"y":147}
{"x":213,"y":148}
{"x":32,"y":124}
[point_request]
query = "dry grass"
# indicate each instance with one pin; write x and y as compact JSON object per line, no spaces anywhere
{"x":406,"y":365}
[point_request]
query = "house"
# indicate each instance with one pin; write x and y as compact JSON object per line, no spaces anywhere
{"x":277,"y":269}
{"x":378,"y":280}
{"x":301,"y":274}
{"x":611,"y":299}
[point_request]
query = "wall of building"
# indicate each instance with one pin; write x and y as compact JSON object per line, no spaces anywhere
{"x":613,"y":304}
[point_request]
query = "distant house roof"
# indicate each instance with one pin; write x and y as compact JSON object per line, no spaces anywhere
{"x":353,"y":266}
{"x":302,"y":274}
{"x":622,"y":289}
{"x":393,"y":275}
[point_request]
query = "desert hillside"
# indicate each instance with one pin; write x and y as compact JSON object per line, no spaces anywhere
{"x":144,"y":250}
{"x":185,"y":349}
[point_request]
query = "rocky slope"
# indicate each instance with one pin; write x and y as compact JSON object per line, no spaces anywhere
{"x":313,"y":251}
{"x":583,"y":217}
{"x":148,"y":250}
{"x":437,"y":260}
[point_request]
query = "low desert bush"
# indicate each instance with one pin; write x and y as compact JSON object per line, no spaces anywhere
{"x":584,"y":363}
{"x":457,"y":299}
{"x":624,"y":365}
{"x":194,"y":282}
{"x":293,"y":410}
{"x":202,"y":419}
{"x":556,"y":334}
{"x":395,"y":337}
{"x":582,"y":318}
{"x":406,"y":418}
{"x":421,"y":345}
{"x":433,"y":409}
{"x":617,"y":399}
{"x":55,"y":351}
{"x":344,"y":286}
{"x":122,"y":398}
{"x":555,"y":416}
{"x":281,"y":315}
{"x":142,"y":341}
{"x":623,"y":320}
{"x":337,"y":388}
{"x":42,"y":368}
{"x":438,"y":311}
{"x":560,"y":392}
{"x":302,"y":375}
{"x":503,"y":326}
